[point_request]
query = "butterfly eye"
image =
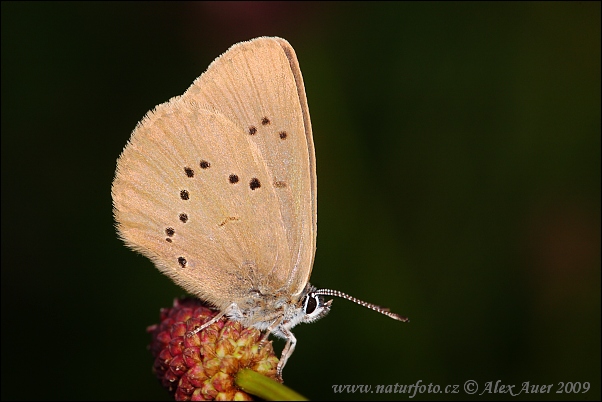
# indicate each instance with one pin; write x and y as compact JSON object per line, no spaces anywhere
{"x":311,"y":302}
{"x":314,"y":307}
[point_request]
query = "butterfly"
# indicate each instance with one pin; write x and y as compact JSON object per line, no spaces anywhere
{"x":218,"y":188}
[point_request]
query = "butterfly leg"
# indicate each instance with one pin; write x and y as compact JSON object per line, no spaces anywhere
{"x":268,"y":331}
{"x":205,"y":325}
{"x":288,"y":350}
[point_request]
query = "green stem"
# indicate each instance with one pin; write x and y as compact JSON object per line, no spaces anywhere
{"x":259,"y":385}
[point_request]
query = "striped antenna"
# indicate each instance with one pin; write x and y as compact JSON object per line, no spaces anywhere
{"x":382,"y":310}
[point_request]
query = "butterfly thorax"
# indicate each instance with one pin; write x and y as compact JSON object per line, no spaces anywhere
{"x":278,"y":312}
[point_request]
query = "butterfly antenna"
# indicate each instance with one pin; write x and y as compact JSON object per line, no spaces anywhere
{"x":382,"y":310}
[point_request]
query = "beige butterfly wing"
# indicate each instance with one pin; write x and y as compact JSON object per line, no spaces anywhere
{"x":258,"y":85}
{"x":203,"y":199}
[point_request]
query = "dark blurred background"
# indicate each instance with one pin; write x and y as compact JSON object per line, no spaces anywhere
{"x":458,"y":154}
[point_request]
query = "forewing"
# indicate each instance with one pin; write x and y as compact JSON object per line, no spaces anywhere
{"x":258,"y":86}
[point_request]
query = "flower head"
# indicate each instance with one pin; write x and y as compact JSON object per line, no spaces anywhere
{"x":203,"y":366}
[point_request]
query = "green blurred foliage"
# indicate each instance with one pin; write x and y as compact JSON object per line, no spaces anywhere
{"x":458,"y":154}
